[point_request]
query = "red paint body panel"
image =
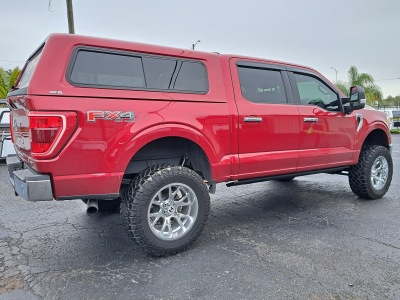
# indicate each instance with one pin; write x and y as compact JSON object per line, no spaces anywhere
{"x":327,"y":142}
{"x":107,"y":147}
{"x":270,"y":146}
{"x":373,"y":121}
{"x":94,"y":159}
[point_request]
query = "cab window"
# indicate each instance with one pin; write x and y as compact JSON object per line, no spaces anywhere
{"x":313,"y":91}
{"x":262,"y":85}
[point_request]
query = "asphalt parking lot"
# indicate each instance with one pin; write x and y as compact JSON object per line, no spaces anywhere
{"x":307,"y":239}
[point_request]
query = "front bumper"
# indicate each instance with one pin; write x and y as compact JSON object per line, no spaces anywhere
{"x":27,"y":183}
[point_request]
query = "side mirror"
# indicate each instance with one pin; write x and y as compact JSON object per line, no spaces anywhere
{"x":357,"y":97}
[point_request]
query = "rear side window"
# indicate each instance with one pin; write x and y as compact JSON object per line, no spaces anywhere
{"x":158,"y":72}
{"x":262,"y":85}
{"x":136,"y":71}
{"x":191,"y":77}
{"x":29,"y":69}
{"x":106,"y":69}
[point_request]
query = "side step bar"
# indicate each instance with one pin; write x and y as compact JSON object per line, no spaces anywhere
{"x":337,"y":170}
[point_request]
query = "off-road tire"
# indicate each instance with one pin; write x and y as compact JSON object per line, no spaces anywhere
{"x":137,"y":199}
{"x":360,"y":174}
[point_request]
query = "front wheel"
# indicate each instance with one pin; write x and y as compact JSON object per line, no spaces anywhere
{"x":371,"y":177}
{"x":165,"y":209}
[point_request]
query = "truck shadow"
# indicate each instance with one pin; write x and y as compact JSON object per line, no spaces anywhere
{"x":256,"y":210}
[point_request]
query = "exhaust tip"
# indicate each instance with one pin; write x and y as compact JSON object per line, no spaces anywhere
{"x":91,"y":210}
{"x":92,"y":207}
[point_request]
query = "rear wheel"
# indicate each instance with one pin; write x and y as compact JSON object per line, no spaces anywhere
{"x":165,"y":209}
{"x":371,"y":177}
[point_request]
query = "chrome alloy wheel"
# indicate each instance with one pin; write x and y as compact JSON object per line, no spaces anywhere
{"x":379,"y":172}
{"x":172,"y":211}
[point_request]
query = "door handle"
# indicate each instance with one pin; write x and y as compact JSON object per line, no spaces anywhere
{"x":313,"y":120}
{"x":253,"y":119}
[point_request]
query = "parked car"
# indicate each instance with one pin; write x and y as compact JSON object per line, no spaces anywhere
{"x":100,"y":120}
{"x":6,"y":144}
{"x":396,"y":119}
{"x":393,"y":117}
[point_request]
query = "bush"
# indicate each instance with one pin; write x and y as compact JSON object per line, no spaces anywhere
{"x":395,"y":131}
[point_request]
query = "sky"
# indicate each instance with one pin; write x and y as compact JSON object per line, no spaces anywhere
{"x":322,"y":34}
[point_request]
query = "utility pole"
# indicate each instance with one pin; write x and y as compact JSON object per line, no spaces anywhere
{"x":70,"y":14}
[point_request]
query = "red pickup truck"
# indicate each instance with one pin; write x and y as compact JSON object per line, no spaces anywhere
{"x":153,"y":129}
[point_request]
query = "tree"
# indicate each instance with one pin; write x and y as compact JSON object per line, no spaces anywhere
{"x":7,"y":80}
{"x":372,"y":91}
{"x":393,"y":101}
{"x":343,"y":87}
{"x":396,"y":101}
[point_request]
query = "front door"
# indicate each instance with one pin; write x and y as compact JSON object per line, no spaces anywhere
{"x":326,"y":132}
{"x":268,"y":120}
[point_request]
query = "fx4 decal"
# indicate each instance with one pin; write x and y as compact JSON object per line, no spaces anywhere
{"x":117,"y":116}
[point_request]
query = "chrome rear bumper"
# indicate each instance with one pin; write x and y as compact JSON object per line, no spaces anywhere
{"x":28,"y":184}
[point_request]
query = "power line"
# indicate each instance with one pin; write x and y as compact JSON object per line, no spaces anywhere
{"x":6,"y":60}
{"x":387,"y":79}
{"x":9,"y":65}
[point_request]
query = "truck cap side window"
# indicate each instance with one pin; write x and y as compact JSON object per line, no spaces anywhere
{"x":105,"y":69}
{"x":262,"y":85}
{"x":314,"y":92}
{"x":158,"y":72}
{"x":100,"y":68}
{"x":191,"y":77}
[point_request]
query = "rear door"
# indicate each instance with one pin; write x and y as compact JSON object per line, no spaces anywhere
{"x":268,"y":119}
{"x":326,"y":132}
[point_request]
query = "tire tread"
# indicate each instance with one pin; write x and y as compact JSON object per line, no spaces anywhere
{"x":135,"y":201}
{"x":359,"y":175}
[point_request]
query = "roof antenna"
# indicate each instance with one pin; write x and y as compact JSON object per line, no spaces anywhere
{"x":194,"y":45}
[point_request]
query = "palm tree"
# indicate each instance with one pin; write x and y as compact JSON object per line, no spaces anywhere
{"x":372,"y":91}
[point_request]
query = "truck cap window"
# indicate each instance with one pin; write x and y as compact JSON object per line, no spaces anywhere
{"x":28,"y":72}
{"x":191,"y":77}
{"x":262,"y":85}
{"x":158,"y":72}
{"x":106,"y":69}
{"x":94,"y":68}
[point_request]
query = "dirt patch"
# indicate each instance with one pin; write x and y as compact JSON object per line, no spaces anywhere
{"x":10,"y":284}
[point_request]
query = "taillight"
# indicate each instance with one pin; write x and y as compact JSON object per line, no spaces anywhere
{"x":44,"y":131}
{"x":49,"y":132}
